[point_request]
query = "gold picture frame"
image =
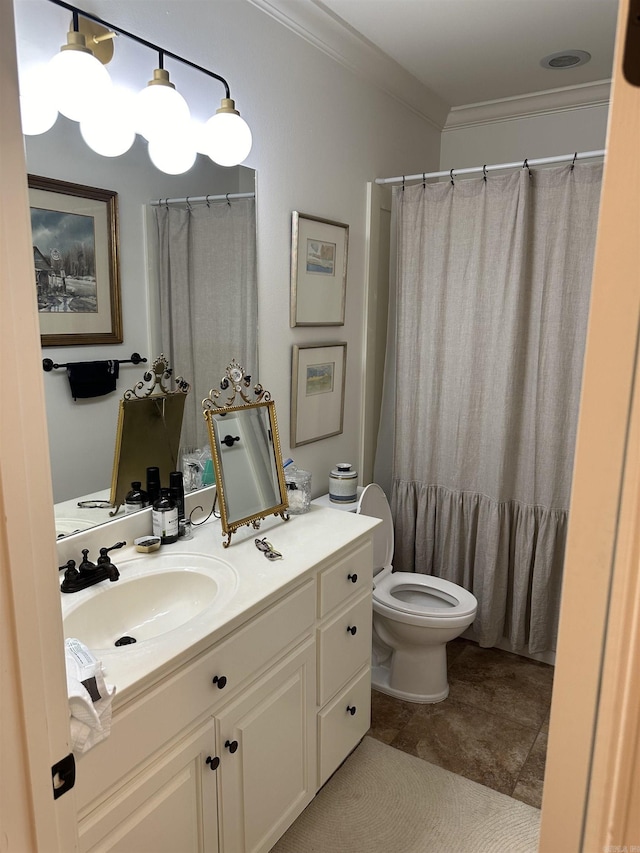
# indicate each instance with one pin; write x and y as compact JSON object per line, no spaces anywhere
{"x":75,"y":252}
{"x":317,"y":391}
{"x":319,"y":250}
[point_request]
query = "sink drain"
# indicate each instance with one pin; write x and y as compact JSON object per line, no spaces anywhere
{"x":125,"y":641}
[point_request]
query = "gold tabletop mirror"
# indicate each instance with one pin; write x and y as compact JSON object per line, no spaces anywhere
{"x":149,"y":426}
{"x":245,"y":447}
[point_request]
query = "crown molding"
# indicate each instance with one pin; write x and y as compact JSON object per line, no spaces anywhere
{"x":535,"y":104}
{"x":316,"y":24}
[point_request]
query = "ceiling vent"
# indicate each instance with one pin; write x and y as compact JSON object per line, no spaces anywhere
{"x":565,"y":59}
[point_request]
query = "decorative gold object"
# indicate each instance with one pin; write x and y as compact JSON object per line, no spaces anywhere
{"x":245,"y":447}
{"x":148,"y":433}
{"x":236,"y":379}
{"x":154,"y":382}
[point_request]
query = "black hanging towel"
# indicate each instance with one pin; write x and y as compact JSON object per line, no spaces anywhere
{"x":92,"y":378}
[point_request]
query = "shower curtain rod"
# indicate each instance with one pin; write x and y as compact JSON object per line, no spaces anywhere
{"x":454,"y":173}
{"x":201,"y":199}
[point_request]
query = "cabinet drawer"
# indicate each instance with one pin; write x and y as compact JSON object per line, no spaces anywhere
{"x":340,"y":727}
{"x":144,"y":725}
{"x":348,"y":577}
{"x":344,"y":645}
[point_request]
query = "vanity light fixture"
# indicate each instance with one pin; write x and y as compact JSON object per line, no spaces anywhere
{"x":162,"y":115}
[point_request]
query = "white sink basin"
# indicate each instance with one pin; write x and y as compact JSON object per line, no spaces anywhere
{"x":155,"y":595}
{"x":66,"y":526}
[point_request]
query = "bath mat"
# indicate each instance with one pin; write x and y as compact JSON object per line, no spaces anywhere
{"x":384,"y":801}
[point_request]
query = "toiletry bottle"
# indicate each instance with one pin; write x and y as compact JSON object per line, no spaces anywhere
{"x":153,"y":484}
{"x":135,"y":499}
{"x":165,"y":518}
{"x":176,"y":489}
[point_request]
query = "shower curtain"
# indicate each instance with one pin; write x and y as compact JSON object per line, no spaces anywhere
{"x":208,"y":297}
{"x":493,"y":284}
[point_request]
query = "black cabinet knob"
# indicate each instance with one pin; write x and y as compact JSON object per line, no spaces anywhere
{"x":352,"y":630}
{"x":212,"y":761}
{"x":351,"y":709}
{"x":220,"y":680}
{"x":353,"y":578}
{"x":231,"y":745}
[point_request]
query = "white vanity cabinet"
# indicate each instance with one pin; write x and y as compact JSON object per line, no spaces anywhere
{"x":220,"y":751}
{"x":343,"y":641}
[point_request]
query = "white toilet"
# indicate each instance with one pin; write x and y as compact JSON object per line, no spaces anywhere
{"x":414,"y":617}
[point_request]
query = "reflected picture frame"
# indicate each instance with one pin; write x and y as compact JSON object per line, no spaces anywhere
{"x":76,"y":264}
{"x":318,"y":374}
{"x":319,"y":253}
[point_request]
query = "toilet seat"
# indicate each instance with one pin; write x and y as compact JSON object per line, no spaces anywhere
{"x":408,"y":593}
{"x":423,"y":595}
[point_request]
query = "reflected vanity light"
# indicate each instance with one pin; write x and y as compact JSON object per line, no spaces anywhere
{"x":162,"y":115}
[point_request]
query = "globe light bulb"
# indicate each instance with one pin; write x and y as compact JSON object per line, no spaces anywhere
{"x":160,"y":108}
{"x":226,"y":137}
{"x":78,"y":79}
{"x":37,"y":107}
{"x":173,"y":154}
{"x":108,"y":127}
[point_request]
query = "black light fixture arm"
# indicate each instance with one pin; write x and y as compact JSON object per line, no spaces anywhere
{"x":75,"y":11}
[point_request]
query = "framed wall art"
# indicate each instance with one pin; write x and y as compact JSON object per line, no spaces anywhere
{"x":318,"y":270}
{"x":75,"y":256}
{"x":317,"y":391}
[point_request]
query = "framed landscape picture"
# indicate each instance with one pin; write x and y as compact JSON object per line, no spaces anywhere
{"x":75,"y":256}
{"x":318,"y":270}
{"x":317,"y":391}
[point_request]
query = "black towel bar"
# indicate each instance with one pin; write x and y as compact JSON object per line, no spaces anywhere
{"x":136,"y":358}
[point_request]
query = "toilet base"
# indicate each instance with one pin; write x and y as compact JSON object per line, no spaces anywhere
{"x":380,"y":676}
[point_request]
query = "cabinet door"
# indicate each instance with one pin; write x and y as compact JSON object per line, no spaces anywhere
{"x":170,"y":806}
{"x":268,"y":761}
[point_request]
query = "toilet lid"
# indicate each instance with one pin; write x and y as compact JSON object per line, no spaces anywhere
{"x":373,"y":502}
{"x":424,"y":595}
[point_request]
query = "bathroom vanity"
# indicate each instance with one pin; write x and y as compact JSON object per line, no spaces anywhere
{"x":225,"y":727}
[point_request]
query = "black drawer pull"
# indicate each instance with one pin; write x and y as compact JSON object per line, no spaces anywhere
{"x":351,"y":709}
{"x":212,"y":762}
{"x":353,"y":578}
{"x":231,"y":745}
{"x":220,"y":680}
{"x":352,"y":630}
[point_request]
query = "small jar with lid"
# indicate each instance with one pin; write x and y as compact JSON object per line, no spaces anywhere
{"x":298,"y":483}
{"x":343,"y":484}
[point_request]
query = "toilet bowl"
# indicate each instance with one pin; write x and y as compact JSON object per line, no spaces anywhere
{"x":414,"y":617}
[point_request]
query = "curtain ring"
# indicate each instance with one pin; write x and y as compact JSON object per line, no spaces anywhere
{"x":166,"y":202}
{"x":227,"y":197}
{"x":403,"y":183}
{"x":207,"y":201}
{"x":575,"y":157}
{"x":451,"y":177}
{"x":188,"y":207}
{"x":484,"y":173}
{"x":525,"y":165}
{"x":424,"y":179}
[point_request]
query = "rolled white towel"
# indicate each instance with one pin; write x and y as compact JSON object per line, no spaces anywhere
{"x":90,"y":697}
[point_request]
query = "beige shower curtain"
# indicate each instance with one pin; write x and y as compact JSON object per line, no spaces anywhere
{"x":208,"y":297}
{"x":492,"y":303}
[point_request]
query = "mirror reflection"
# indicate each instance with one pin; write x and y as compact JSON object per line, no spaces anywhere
{"x":148,"y":434}
{"x":82,"y":433}
{"x":245,"y":447}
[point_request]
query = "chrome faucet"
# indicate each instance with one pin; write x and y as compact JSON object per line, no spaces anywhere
{"x":88,"y":573}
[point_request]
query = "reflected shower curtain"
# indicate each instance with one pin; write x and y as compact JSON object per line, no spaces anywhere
{"x":208,"y":297}
{"x":492,"y":303}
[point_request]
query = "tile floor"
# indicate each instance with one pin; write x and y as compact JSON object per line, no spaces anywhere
{"x":492,"y":727}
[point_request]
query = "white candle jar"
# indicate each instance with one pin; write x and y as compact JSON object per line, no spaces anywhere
{"x":343,"y":484}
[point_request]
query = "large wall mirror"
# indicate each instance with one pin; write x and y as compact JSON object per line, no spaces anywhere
{"x":82,"y":433}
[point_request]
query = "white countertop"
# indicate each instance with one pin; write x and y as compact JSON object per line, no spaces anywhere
{"x":305,"y":541}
